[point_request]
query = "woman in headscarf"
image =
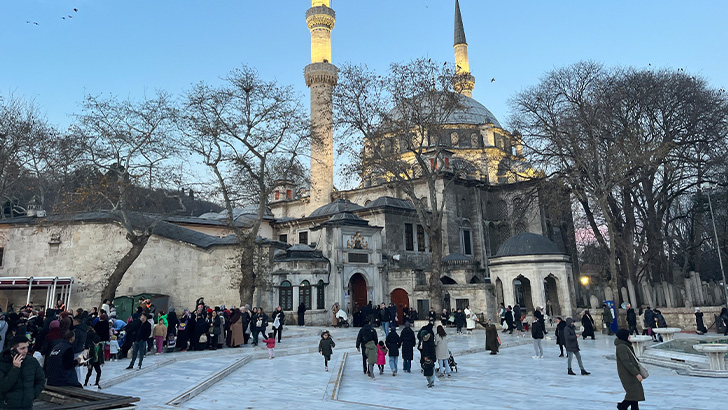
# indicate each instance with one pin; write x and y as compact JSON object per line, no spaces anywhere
{"x":491,"y":339}
{"x":236,"y":329}
{"x":588,"y":322}
{"x":628,"y":370}
{"x":183,"y":330}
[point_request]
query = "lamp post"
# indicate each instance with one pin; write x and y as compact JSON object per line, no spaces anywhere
{"x":717,"y":245}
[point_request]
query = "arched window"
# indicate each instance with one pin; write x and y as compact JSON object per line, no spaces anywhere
{"x":304,"y":294}
{"x":320,"y":299}
{"x":285,"y":295}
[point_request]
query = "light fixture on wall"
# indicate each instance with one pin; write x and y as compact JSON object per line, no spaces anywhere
{"x":584,"y":280}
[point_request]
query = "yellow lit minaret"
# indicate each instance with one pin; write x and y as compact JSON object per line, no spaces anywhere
{"x":464,"y":82}
{"x":321,"y":77}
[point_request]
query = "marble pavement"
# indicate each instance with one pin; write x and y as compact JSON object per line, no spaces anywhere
{"x":295,"y":379}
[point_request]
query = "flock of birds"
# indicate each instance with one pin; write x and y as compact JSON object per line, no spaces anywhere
{"x":69,"y":16}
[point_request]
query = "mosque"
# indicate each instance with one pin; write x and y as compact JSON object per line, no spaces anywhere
{"x":502,"y":241}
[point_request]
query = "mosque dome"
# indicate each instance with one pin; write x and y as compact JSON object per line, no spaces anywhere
{"x":335,"y":207}
{"x":471,"y":112}
{"x":528,"y":243}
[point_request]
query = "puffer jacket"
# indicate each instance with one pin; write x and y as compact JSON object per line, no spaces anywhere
{"x":19,"y":387}
{"x":571,"y":341}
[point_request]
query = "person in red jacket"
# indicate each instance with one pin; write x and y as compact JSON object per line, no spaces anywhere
{"x":270,"y":343}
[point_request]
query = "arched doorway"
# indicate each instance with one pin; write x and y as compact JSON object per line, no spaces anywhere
{"x":357,"y":292}
{"x":522,"y":293}
{"x":400,"y":298}
{"x":551,"y":290}
{"x":499,"y":292}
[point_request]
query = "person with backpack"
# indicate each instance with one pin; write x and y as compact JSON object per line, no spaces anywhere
{"x":366,"y":335}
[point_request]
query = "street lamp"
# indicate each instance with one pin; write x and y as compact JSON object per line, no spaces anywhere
{"x":717,"y":244}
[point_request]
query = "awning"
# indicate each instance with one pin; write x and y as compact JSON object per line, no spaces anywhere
{"x":55,"y":287}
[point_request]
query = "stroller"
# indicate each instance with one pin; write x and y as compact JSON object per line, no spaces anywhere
{"x":171,"y":342}
{"x":342,"y":318}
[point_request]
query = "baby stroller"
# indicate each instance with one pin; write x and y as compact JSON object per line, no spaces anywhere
{"x":452,"y":363}
{"x":171,"y":343}
{"x":342,"y":319}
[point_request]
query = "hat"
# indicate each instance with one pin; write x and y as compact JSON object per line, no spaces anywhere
{"x":697,"y":309}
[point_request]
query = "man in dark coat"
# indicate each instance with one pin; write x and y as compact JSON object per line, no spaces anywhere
{"x":699,"y":325}
{"x":408,"y":341}
{"x":60,"y":363}
{"x":393,"y":344}
{"x":131,"y":330}
{"x":80,"y":329}
{"x":366,"y":334}
{"x":21,"y":377}
{"x":560,"y":325}
{"x":607,"y":318}
{"x":491,"y":339}
{"x":649,"y":322}
{"x":517,"y":317}
{"x":628,"y":371}
{"x":301,"y":312}
{"x":631,"y":320}
{"x":278,"y":314}
{"x":509,"y":320}
{"x":572,"y":346}
{"x":140,"y":341}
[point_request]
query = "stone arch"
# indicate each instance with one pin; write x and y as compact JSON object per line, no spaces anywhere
{"x":551,"y":295}
{"x":522,"y":292}
{"x":446,"y":280}
{"x":357,"y":290}
{"x":400,"y":298}
{"x":499,"y":291}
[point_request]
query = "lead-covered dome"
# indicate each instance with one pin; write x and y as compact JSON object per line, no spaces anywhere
{"x":471,"y":112}
{"x":528,"y":243}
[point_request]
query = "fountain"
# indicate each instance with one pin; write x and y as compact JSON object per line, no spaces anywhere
{"x":715,"y":352}
{"x":667,"y":333}
{"x":638,"y":344}
{"x":690,"y":355}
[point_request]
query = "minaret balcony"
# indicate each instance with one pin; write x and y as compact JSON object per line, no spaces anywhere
{"x":317,"y":73}
{"x":320,"y":17}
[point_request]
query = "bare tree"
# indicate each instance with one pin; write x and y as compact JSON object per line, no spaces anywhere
{"x":628,"y":144}
{"x":249,"y":133}
{"x":402,"y":118}
{"x":130,"y":145}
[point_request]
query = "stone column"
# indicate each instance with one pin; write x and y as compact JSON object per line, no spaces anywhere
{"x":538,"y":293}
{"x":508,"y":296}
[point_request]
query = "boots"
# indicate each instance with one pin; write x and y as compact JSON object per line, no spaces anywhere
{"x":584,"y":372}
{"x":571,"y":372}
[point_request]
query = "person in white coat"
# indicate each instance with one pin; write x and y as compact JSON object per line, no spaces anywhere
{"x":470,"y":319}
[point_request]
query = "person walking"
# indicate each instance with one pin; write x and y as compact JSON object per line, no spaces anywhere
{"x":408,"y":342}
{"x":607,"y":318}
{"x":326,"y":347}
{"x":442,"y":353}
{"x":270,"y":343}
{"x":381,"y":356}
{"x":393,"y":344}
{"x":502,"y":313}
{"x":371,"y":352}
{"x":537,"y":335}
{"x":492,"y":342}
{"x":509,"y":319}
{"x":724,"y":317}
{"x":470,"y":319}
{"x":628,"y":369}
{"x":428,"y":369}
{"x":649,"y":323}
{"x":21,"y":376}
{"x":279,"y":318}
{"x":631,"y":320}
{"x":60,"y":364}
{"x":571,"y":341}
{"x":588,"y":322}
{"x":518,"y":318}
{"x":460,"y":321}
{"x":560,"y":325}
{"x":383,"y":315}
{"x":140,"y":341}
{"x":366,"y":334}
{"x":538,"y":313}
{"x":301,"y":313}
{"x":95,"y":360}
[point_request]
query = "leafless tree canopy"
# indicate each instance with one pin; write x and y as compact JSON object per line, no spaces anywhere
{"x":629,"y":144}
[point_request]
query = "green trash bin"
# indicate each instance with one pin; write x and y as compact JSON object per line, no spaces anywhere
{"x":124,"y":307}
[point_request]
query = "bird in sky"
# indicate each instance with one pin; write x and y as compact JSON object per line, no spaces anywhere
{"x":35,"y":22}
{"x":70,"y":16}
{"x":492,"y":80}
{"x":76,"y":10}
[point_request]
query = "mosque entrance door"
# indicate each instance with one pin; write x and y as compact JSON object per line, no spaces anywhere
{"x":358,"y":292}
{"x":400,"y":298}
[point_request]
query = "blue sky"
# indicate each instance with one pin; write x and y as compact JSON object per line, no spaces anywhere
{"x":133,"y":47}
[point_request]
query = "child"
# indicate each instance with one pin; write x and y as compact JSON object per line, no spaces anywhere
{"x":270,"y":343}
{"x":95,"y":360}
{"x":381,"y":354}
{"x":113,"y":347}
{"x":428,"y":367}
{"x":326,"y":346}
{"x":160,"y":332}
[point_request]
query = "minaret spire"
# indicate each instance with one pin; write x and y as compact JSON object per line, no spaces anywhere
{"x":465,"y":82}
{"x":321,"y":76}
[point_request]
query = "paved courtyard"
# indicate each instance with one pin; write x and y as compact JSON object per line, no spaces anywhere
{"x":244,"y":378}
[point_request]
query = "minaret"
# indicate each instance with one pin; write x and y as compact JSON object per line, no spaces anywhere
{"x":465,"y":82}
{"x":321,"y":76}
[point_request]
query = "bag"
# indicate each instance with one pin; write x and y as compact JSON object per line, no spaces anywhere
{"x":203,"y":338}
{"x":643,"y":372}
{"x":276,"y":323}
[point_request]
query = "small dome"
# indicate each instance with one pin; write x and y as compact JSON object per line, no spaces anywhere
{"x":528,"y":243}
{"x":340,"y":205}
{"x":383,"y":201}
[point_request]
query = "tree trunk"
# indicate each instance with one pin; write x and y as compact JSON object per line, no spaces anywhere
{"x":435,"y":285}
{"x":246,"y":288}
{"x":138,"y":242}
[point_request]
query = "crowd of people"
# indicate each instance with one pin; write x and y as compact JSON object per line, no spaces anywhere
{"x":60,"y":342}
